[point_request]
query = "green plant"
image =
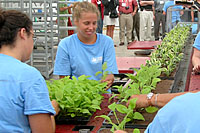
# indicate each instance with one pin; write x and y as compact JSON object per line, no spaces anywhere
{"x":169,"y":53}
{"x":104,"y":73}
{"x":130,"y":114}
{"x":77,"y":97}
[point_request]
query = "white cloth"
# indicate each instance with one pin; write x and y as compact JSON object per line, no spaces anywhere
{"x":109,"y":21}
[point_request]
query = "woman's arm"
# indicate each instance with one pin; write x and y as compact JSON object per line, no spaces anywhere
{"x":196,"y":61}
{"x":192,"y":15}
{"x":158,"y":100}
{"x":44,"y":123}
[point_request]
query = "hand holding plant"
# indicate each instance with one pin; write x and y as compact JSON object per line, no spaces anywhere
{"x":109,"y":79}
{"x":141,"y":100}
{"x":55,"y":106}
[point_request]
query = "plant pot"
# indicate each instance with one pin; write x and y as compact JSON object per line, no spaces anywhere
{"x":75,"y":120}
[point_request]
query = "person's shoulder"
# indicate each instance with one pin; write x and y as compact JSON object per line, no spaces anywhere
{"x":24,"y":72}
{"x":29,"y":71}
{"x":104,"y":37}
{"x":67,"y":40}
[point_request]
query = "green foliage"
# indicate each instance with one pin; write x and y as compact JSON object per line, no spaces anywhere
{"x":104,"y":73}
{"x":77,"y":97}
{"x":130,"y":115}
{"x":170,"y":52}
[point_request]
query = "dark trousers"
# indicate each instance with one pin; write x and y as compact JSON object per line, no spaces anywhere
{"x":99,"y":26}
{"x":136,"y":26}
{"x":159,"y":18}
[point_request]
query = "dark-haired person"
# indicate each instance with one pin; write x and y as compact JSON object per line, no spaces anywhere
{"x":84,"y":53}
{"x":24,"y":99}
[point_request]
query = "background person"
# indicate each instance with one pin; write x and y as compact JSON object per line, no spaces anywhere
{"x":159,"y":17}
{"x":25,"y":104}
{"x":84,"y":53}
{"x":194,"y":14}
{"x":126,"y":14}
{"x":136,"y":23}
{"x":63,"y":8}
{"x":175,"y":16}
{"x":146,"y":19}
{"x":100,"y":6}
{"x":110,"y":5}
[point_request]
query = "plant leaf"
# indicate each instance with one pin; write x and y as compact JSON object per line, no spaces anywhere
{"x":138,"y":116}
{"x":151,"y":109}
{"x":136,"y":130}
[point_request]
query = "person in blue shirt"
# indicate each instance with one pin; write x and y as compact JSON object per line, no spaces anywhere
{"x":180,"y":115}
{"x":25,"y":105}
{"x":84,"y":53}
{"x":170,"y":8}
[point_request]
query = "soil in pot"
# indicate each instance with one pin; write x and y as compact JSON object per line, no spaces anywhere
{"x":164,"y":86}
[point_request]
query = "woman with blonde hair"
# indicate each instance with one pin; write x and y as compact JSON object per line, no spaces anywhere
{"x":85,"y":52}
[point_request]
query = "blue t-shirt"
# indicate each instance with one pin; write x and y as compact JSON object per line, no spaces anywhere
{"x":75,"y":58}
{"x":175,"y":14}
{"x":180,"y":115}
{"x":197,"y":42}
{"x":23,"y":92}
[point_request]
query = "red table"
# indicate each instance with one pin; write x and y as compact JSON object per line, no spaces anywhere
{"x":96,"y":122}
{"x":125,"y":64}
{"x":194,"y":82}
{"x":143,"y":44}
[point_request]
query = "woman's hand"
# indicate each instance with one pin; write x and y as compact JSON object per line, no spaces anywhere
{"x":55,"y":106}
{"x":196,"y":69}
{"x":109,"y":79}
{"x":141,"y":100}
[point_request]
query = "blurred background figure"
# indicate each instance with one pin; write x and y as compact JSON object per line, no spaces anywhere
{"x":159,"y":17}
{"x":100,"y":6}
{"x":126,"y":14}
{"x":146,"y":19}
{"x":110,"y":15}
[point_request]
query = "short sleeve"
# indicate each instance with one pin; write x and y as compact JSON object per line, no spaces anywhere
{"x":164,"y":7}
{"x":155,"y":126}
{"x":36,"y":98}
{"x":110,"y":58}
{"x":62,"y":62}
{"x":197,"y":42}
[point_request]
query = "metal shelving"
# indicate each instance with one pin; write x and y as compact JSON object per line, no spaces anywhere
{"x":45,"y":29}
{"x":45,"y":15}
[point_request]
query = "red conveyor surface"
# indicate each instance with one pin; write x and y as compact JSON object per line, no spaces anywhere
{"x":96,"y":122}
{"x":143,"y":44}
{"x":194,"y":82}
{"x":125,"y":63}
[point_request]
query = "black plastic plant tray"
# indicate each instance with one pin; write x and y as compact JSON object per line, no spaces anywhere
{"x":127,"y":126}
{"x":83,"y":127}
{"x":120,"y":75}
{"x":74,"y":121}
{"x":117,"y":83}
